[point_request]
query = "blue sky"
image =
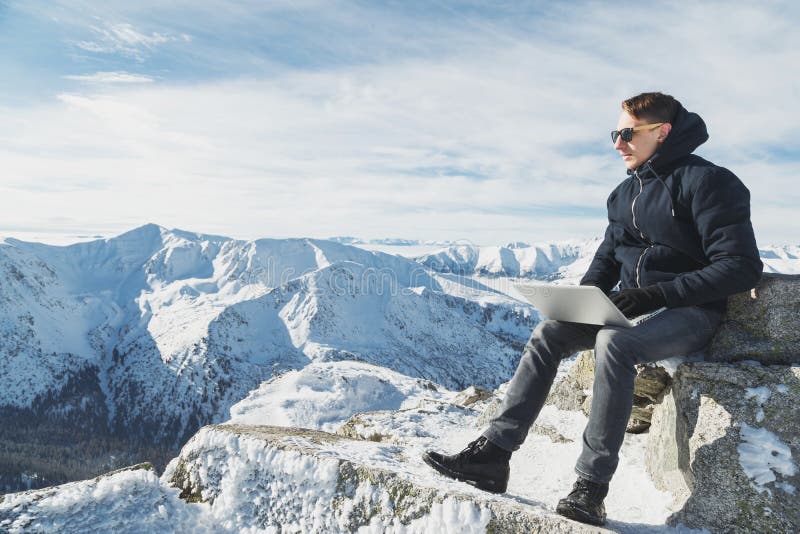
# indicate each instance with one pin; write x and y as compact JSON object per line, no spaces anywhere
{"x":485,"y":121}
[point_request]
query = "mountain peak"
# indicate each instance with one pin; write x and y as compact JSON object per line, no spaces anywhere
{"x":195,"y":236}
{"x":145,"y":231}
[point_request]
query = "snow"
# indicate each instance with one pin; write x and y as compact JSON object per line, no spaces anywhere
{"x":777,"y":258}
{"x":762,"y":454}
{"x":781,"y":259}
{"x":414,"y":415}
{"x":51,"y":238}
{"x":324,"y":395}
{"x":129,"y":501}
{"x":671,"y":364}
{"x":297,"y":486}
{"x":189,"y":310}
{"x":542,"y":471}
{"x":542,"y":261}
{"x":761,"y":394}
{"x":198,"y":321}
{"x":160,"y":292}
{"x":451,"y":516}
{"x":405,"y":251}
{"x":562,"y":262}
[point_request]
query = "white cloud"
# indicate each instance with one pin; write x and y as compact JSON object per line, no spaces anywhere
{"x":110,"y":77}
{"x":123,"y":38}
{"x":376,"y":149}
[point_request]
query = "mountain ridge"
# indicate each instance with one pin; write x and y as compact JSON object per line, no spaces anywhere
{"x":148,"y":335}
{"x":161,"y":332}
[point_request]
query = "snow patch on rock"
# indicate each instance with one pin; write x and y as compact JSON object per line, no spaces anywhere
{"x":762,"y":454}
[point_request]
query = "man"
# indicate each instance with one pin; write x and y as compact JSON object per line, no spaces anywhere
{"x":679,"y":236}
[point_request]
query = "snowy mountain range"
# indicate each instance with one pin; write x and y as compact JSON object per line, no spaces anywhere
{"x":783,"y":259}
{"x":132,"y":343}
{"x":391,"y":241}
{"x":547,"y":261}
{"x":557,"y":261}
{"x":156,"y":332}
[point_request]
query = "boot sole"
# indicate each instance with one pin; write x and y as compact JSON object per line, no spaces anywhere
{"x":577,"y":514}
{"x":492,"y":486}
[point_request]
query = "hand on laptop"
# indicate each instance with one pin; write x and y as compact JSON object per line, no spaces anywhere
{"x":636,"y":301}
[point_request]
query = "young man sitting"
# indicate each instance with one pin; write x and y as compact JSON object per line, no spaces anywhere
{"x":678,"y":235}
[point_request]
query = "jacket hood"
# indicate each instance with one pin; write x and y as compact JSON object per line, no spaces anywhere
{"x":688,"y":132}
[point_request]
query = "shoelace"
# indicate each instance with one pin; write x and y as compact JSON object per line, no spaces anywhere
{"x":592,"y":489}
{"x":472,"y":448}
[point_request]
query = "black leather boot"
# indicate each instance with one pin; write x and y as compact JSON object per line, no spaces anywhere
{"x":585,"y":502}
{"x":482,"y":464}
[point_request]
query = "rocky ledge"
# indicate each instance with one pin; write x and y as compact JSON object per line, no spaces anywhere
{"x":297,"y":480}
{"x":725,"y":443}
{"x":724,"y":439}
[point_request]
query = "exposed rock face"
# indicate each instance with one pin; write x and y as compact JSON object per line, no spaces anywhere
{"x":649,"y":388}
{"x":762,"y":324}
{"x":725,"y":443}
{"x":471,"y":395}
{"x":574,"y":391}
{"x":296,"y":480}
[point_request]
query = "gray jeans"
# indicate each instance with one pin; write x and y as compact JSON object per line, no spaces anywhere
{"x":674,"y":332}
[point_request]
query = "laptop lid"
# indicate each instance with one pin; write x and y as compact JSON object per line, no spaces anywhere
{"x":577,"y":304}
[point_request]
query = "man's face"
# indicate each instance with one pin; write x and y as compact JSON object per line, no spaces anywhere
{"x":644,"y":142}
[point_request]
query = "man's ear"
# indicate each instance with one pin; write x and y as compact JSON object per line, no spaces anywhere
{"x":663,"y":131}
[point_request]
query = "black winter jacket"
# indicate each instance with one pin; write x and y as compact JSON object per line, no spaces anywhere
{"x":682,"y":223}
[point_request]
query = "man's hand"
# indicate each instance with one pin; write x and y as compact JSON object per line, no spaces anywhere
{"x":636,"y":301}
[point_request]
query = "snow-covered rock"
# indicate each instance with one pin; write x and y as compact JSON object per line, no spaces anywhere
{"x":98,"y":505}
{"x":421,"y":425}
{"x":724,"y":442}
{"x":471,"y":395}
{"x":323,"y":395}
{"x":297,"y":480}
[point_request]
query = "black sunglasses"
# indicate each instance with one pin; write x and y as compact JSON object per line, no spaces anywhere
{"x":627,"y":133}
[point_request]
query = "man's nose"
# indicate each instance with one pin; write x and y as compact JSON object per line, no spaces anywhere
{"x":619,"y":143}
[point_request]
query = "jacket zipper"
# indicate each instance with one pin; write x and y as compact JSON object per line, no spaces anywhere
{"x":638,"y":263}
{"x":633,"y":213}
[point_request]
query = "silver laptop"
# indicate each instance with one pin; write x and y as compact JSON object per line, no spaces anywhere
{"x":578,"y":304}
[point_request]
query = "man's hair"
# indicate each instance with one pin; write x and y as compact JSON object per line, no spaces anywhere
{"x":654,"y":107}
